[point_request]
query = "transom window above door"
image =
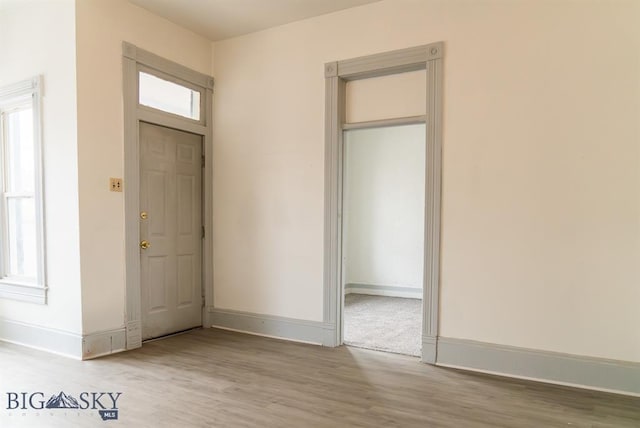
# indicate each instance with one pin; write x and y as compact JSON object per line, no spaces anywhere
{"x":169,"y":96}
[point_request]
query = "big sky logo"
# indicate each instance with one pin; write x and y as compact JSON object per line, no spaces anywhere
{"x":106,"y":403}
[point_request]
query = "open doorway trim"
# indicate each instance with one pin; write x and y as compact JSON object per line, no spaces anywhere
{"x":136,"y":59}
{"x":429,"y":58}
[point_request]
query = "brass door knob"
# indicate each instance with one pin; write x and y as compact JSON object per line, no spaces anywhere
{"x":145,"y":244}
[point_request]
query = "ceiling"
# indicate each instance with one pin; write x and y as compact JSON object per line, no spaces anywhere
{"x":222,"y":19}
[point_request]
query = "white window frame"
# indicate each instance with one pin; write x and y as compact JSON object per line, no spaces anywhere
{"x":28,"y":290}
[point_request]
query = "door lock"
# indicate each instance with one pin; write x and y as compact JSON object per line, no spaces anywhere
{"x":144,"y":244}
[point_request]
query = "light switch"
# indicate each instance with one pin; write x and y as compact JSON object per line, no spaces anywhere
{"x":115,"y":184}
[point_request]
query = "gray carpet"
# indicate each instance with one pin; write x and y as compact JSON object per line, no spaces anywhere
{"x":391,"y":324}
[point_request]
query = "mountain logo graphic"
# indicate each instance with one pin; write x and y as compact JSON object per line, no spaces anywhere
{"x":62,"y":401}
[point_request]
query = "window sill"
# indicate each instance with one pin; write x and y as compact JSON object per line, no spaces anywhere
{"x":23,"y":292}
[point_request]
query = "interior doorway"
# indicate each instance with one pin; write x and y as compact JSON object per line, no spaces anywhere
{"x":383,"y":237}
{"x":391,"y":111}
{"x":170,"y":230}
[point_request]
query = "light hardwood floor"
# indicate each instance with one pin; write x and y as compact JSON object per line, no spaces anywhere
{"x":215,"y":378}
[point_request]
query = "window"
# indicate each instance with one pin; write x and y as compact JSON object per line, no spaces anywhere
{"x":169,"y":96}
{"x":21,"y":228}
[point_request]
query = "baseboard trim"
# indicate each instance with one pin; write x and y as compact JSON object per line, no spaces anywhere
{"x":314,"y":332}
{"x":133,"y":334}
{"x":552,"y":367}
{"x":41,"y":338}
{"x":104,"y":343}
{"x":383,"y":290}
{"x":429,"y":348}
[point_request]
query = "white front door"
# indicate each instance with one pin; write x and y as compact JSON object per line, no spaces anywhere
{"x":170,"y":229}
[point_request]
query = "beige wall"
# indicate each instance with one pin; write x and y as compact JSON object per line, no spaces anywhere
{"x":102,"y":25}
{"x":38,"y":38}
{"x":541,"y":173}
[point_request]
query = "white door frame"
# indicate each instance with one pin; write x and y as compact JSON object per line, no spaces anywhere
{"x":135,"y":60}
{"x":429,"y":58}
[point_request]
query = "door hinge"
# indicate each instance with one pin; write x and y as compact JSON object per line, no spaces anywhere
{"x":202,"y":232}
{"x":203,"y":161}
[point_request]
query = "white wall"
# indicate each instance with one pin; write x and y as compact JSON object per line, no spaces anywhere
{"x":383,"y":200}
{"x":37,"y":37}
{"x":541,"y":173}
{"x":102,"y":25}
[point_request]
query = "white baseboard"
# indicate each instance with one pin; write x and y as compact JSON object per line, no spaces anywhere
{"x":383,"y":290}
{"x":103,"y":343}
{"x":133,"y":334}
{"x":67,"y":344}
{"x":314,"y":332}
{"x":42,"y":338}
{"x":552,"y":367}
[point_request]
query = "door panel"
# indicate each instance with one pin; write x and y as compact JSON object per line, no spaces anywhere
{"x":171,"y":195}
